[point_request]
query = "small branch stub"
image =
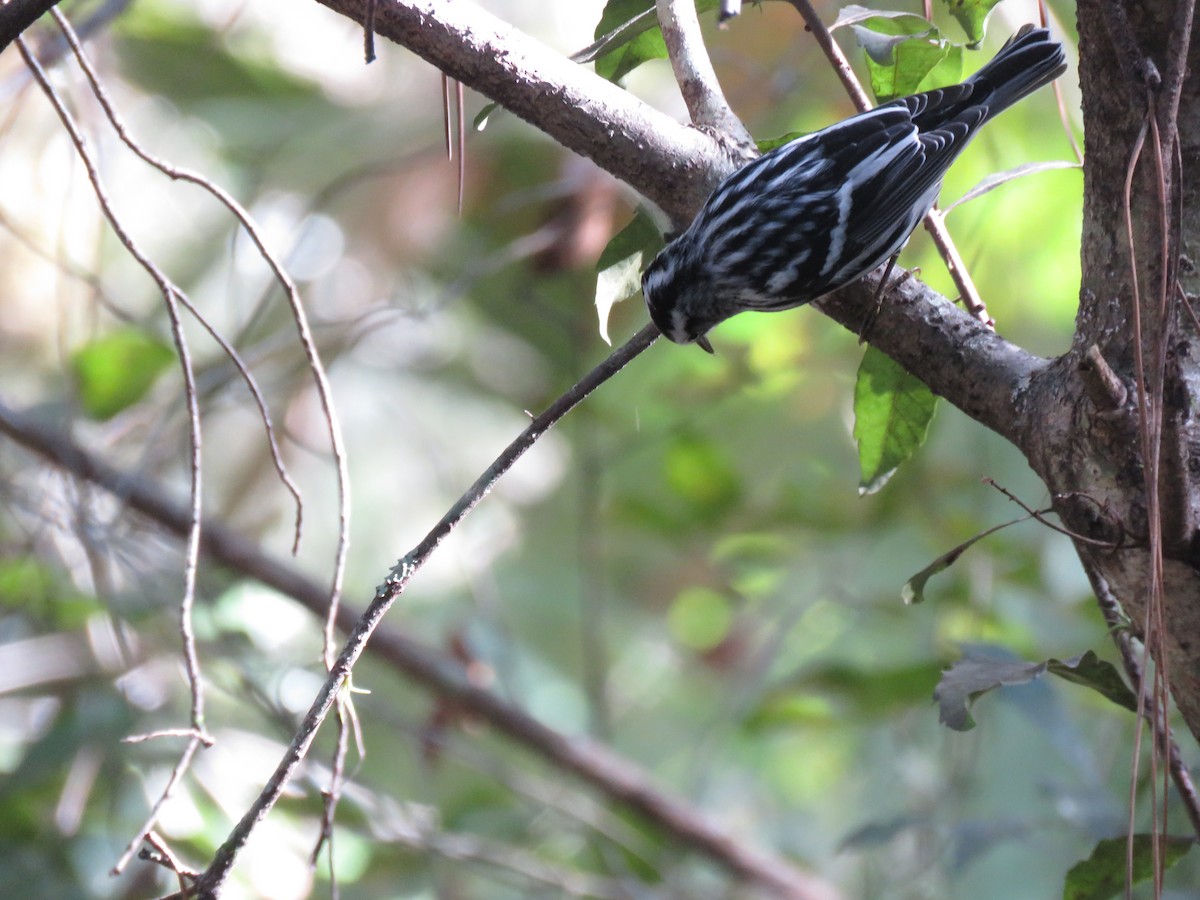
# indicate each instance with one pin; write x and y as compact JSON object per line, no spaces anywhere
{"x":1104,"y":387}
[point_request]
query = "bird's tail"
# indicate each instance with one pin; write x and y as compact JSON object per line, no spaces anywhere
{"x":1029,"y":60}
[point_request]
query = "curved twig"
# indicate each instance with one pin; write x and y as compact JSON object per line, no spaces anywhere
{"x":172,"y":297}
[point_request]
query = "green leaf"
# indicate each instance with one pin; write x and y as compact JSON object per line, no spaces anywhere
{"x":892,"y":411}
{"x":1091,"y":671}
{"x":628,"y":35}
{"x":637,"y":40}
{"x":905,"y":54}
{"x":116,"y":371}
{"x":1102,"y":875}
{"x":972,"y":16}
{"x":621,"y":263}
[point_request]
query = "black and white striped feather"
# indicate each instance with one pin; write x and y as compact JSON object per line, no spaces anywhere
{"x":825,"y":209}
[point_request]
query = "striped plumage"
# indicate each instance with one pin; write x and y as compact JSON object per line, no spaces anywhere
{"x":825,"y":209}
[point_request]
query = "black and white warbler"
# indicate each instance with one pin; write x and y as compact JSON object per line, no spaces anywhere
{"x":821,"y":211}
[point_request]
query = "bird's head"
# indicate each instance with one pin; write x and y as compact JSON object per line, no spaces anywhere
{"x":677,"y":299}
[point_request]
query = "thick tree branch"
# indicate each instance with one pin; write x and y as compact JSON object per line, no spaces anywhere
{"x":17,"y":15}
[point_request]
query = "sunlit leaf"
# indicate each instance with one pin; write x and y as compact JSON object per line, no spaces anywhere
{"x":905,"y":54}
{"x":1103,"y":874}
{"x":892,"y":411}
{"x":853,"y":14}
{"x":621,"y":263}
{"x":642,"y":17}
{"x":628,"y":35}
{"x":115,"y":371}
{"x":972,"y":16}
{"x":638,"y":37}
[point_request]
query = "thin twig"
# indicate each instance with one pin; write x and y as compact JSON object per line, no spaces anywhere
{"x":159,"y":852}
{"x":387,"y":594}
{"x":332,"y":795}
{"x":171,"y":295}
{"x":206,"y":739}
{"x":226,"y":200}
{"x":1039,"y":515}
{"x":316,"y":366}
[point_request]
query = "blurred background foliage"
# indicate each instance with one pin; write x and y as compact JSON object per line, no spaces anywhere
{"x":682,"y":568}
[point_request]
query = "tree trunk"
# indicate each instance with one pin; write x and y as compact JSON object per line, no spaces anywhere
{"x":1081,"y":426}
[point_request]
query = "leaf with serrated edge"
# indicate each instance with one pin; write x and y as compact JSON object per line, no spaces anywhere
{"x":972,"y":676}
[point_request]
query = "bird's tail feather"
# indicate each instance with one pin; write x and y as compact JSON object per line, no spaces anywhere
{"x":1029,"y":60}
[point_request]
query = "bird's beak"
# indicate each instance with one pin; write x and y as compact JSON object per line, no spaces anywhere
{"x":703,"y":344}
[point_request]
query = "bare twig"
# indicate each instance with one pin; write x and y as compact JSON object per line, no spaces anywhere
{"x":1039,"y":515}
{"x":706,"y":103}
{"x":171,"y":296}
{"x":307,"y":341}
{"x":159,"y":852}
{"x":226,"y":200}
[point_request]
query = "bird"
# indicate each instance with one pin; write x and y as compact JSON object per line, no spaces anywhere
{"x":821,"y":211}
